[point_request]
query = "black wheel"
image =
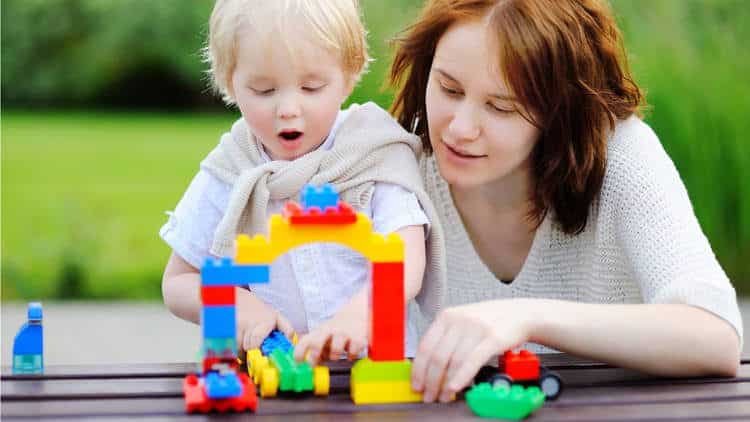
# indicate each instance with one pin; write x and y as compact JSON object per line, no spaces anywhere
{"x":485,"y":374}
{"x":550,"y":385}
{"x":501,"y":380}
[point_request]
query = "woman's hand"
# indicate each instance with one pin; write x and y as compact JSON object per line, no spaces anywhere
{"x":464,"y":338}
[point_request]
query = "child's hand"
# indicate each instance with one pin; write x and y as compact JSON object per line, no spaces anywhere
{"x":344,"y":334}
{"x":462,"y":339}
{"x":256,"y":319}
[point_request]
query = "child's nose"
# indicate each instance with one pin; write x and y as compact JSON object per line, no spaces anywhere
{"x":289,"y":107}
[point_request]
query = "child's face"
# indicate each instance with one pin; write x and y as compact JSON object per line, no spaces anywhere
{"x":476,"y":133}
{"x":290,"y":103}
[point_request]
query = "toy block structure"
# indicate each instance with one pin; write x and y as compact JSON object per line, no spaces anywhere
{"x":520,"y":366}
{"x":323,"y":218}
{"x":501,"y":402}
{"x":274,"y":369}
{"x":219,"y":386}
{"x":524,"y":369}
{"x":28,"y":345}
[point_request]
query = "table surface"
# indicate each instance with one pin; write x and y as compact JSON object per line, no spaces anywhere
{"x":593,"y":391}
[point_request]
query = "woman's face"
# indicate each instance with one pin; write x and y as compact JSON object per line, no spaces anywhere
{"x":478,"y":136}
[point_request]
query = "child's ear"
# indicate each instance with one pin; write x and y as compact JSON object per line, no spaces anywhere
{"x":351,"y":82}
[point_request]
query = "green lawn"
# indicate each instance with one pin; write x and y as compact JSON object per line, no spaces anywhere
{"x":84,"y":195}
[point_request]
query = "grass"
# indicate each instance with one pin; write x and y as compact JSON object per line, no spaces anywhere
{"x":84,"y":194}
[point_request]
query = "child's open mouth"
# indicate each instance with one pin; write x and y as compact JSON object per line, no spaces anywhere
{"x":290,"y":135}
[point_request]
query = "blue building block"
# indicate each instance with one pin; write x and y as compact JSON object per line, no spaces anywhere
{"x":225,"y":272}
{"x":218,"y":321}
{"x":275,"y":340}
{"x":322,"y":197}
{"x":222,"y":385}
{"x":28,"y":345}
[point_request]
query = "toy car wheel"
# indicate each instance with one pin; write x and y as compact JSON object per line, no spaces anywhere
{"x":261,"y":365}
{"x":321,"y":380}
{"x":501,"y":380}
{"x":485,"y":374}
{"x":550,"y":385}
{"x":269,"y":384}
{"x":252,"y":357}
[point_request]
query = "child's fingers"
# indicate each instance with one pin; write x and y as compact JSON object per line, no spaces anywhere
{"x":338,"y":342}
{"x":283,"y":325}
{"x":355,"y":348}
{"x":258,"y":334}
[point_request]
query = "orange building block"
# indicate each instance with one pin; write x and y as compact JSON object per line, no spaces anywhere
{"x":342,"y":214}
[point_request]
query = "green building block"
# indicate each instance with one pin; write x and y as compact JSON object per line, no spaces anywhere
{"x":293,"y":376}
{"x":503,"y":403}
{"x":368,"y":370}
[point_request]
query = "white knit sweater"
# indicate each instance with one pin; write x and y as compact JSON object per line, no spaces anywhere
{"x":642,"y":242}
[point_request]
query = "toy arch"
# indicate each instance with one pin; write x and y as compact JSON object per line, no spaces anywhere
{"x":387,"y":321}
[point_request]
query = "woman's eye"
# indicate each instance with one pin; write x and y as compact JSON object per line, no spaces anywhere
{"x":449,"y":90}
{"x":500,"y":109}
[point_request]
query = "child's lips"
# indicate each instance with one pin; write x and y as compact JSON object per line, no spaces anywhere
{"x":290,"y":135}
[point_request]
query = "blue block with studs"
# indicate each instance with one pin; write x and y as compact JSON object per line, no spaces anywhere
{"x":322,"y":197}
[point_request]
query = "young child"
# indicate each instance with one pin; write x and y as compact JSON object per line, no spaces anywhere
{"x":289,"y":65}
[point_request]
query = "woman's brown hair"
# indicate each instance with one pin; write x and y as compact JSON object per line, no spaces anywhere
{"x":565,"y":62}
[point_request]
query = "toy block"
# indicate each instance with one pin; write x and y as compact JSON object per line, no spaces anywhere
{"x":28,"y":345}
{"x":387,"y":319}
{"x":342,"y":214}
{"x":323,"y":196}
{"x":275,"y":340}
{"x":293,"y":376}
{"x":385,"y":249}
{"x":520,"y":366}
{"x":376,"y":392}
{"x":220,"y":346}
{"x":218,"y":321}
{"x":222,"y":386}
{"x":367,"y":370}
{"x":224,"y":272}
{"x":217,"y":295}
{"x":197,"y":401}
{"x":514,"y":403}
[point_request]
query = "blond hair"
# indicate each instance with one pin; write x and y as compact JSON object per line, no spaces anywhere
{"x":332,"y":24}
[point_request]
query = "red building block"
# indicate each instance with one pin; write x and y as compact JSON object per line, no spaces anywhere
{"x":217,"y":295}
{"x":197,"y":402}
{"x":522,"y":366}
{"x":343,"y":214}
{"x":387,"y":315}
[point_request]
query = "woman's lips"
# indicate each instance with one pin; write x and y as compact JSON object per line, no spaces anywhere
{"x":461,"y":154}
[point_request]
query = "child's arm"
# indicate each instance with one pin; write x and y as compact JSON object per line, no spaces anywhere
{"x":181,"y":290}
{"x":346,"y":332}
{"x":661,"y":339}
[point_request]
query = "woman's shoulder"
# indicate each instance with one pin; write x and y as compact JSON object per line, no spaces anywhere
{"x":635,"y":156}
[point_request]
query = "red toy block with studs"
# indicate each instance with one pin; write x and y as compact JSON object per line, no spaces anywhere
{"x":387,"y":302}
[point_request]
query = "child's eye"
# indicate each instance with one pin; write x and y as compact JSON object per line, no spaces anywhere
{"x":312,"y":88}
{"x":263,"y":91}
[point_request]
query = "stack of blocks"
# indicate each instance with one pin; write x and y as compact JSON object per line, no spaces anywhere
{"x":28,"y":345}
{"x":221,"y":387}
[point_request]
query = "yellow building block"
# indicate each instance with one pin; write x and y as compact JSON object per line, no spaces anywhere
{"x":283,"y":236}
{"x":378,"y":392}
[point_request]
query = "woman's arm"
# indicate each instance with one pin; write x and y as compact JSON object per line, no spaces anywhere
{"x":667,"y":340}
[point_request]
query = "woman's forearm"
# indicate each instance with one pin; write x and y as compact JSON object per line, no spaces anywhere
{"x":661,"y":339}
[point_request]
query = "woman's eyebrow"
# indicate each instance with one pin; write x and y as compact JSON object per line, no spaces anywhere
{"x":445,"y":74}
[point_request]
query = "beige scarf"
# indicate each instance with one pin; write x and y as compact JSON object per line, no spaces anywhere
{"x":369,"y":147}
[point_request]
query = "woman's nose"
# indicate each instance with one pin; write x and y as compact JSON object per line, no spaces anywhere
{"x":464,"y":126}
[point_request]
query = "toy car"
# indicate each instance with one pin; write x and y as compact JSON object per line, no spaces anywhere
{"x":522,"y":368}
{"x":273,"y":369}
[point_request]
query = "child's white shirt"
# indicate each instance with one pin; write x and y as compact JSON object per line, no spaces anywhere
{"x":310,"y":283}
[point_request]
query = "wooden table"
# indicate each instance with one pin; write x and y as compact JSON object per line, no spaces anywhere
{"x":593,"y":391}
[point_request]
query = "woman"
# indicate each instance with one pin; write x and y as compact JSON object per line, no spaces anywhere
{"x":567,"y":225}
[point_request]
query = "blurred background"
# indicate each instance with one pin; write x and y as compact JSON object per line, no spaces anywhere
{"x":106,"y":115}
